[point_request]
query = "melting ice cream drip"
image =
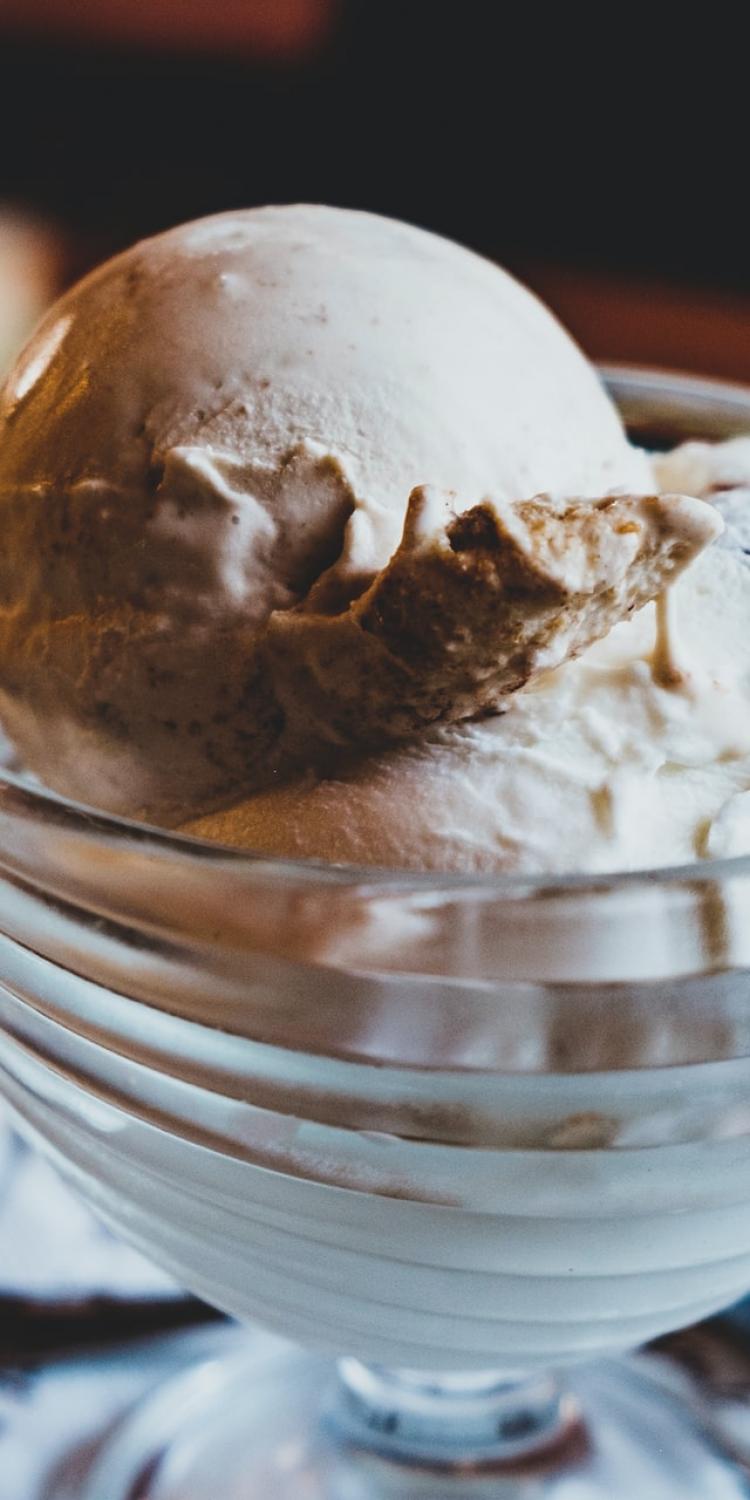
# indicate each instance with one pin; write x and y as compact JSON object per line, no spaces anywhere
{"x":666,"y":667}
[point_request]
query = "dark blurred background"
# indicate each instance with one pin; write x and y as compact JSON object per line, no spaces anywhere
{"x":602,"y":156}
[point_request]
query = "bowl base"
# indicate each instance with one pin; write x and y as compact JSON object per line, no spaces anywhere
{"x":258,"y":1422}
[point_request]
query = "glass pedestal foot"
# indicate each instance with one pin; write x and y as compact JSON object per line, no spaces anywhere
{"x":263,"y":1421}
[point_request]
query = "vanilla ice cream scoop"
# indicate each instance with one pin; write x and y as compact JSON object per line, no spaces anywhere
{"x":206,"y":457}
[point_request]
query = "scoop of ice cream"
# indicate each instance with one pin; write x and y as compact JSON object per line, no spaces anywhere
{"x":594,"y":767}
{"x":223,"y":426}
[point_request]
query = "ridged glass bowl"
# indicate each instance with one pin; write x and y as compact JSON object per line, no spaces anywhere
{"x":461,"y":1131}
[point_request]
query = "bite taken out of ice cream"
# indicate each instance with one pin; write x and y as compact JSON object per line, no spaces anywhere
{"x":293,"y":484}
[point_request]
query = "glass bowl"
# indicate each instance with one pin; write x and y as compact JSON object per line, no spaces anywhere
{"x":463,"y":1132}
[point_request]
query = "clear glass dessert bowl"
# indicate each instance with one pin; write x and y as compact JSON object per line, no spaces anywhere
{"x":467,"y":1134}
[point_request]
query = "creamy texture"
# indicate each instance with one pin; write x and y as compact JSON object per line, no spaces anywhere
{"x":472,"y":605}
{"x":596,"y":767}
{"x":212,"y":421}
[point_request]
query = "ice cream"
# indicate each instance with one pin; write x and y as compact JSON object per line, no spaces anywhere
{"x":293,"y":499}
{"x":227,"y":421}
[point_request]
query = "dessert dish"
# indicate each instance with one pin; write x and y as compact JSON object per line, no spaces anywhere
{"x":461,"y":1128}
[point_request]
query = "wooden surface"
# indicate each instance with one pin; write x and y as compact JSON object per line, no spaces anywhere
{"x":648,"y":322}
{"x":266,"y":29}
